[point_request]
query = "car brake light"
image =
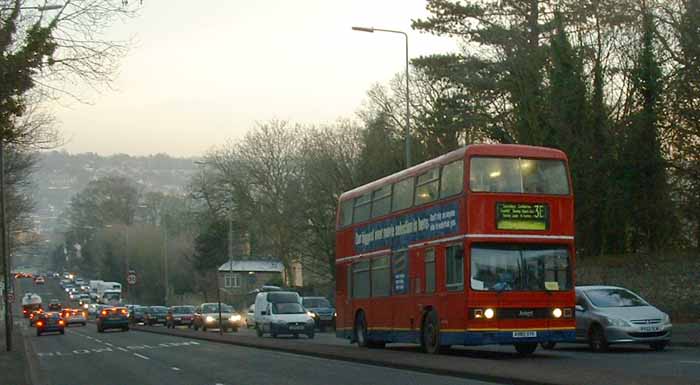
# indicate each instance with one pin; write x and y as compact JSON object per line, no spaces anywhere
{"x":25,"y":311}
{"x":124,"y":311}
{"x":104,"y":312}
{"x":39,"y":324}
{"x":60,"y":322}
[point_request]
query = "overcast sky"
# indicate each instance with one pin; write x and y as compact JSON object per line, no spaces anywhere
{"x":203,"y":72}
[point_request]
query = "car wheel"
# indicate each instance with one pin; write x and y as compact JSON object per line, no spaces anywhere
{"x":360,"y":330}
{"x":296,"y":335}
{"x":225,"y":330}
{"x":38,"y":333}
{"x":84,"y":323}
{"x":311,"y":335}
{"x":549,"y":345}
{"x":235,"y":330}
{"x":258,"y":331}
{"x":526,"y":348}
{"x":126,"y":329}
{"x":63,"y":332}
{"x":204,"y":328}
{"x":430,"y":333}
{"x":596,"y":339}
{"x":658,"y":346}
{"x":100,"y":329}
{"x":274,"y":335}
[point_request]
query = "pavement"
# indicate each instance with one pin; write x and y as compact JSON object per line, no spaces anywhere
{"x":13,"y":365}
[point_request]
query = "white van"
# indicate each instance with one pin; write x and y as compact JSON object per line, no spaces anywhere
{"x":281,"y":312}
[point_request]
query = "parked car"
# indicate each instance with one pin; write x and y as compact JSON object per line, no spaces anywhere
{"x":250,"y":317}
{"x":282,"y":313}
{"x":137,"y":314}
{"x":608,"y":315}
{"x":49,"y":322}
{"x":206,"y":316}
{"x":74,"y":316}
{"x":155,"y":315}
{"x":112,"y":318}
{"x":324,"y":312}
{"x":179,"y":315}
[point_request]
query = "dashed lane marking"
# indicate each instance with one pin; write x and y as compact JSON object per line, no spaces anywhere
{"x":96,"y":340}
{"x":122,"y":349}
{"x":175,"y":369}
{"x":141,"y":356}
{"x":690,"y":362}
{"x":108,"y":344}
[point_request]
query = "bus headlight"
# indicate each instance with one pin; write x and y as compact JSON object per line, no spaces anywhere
{"x":557,"y":313}
{"x":489,"y":313}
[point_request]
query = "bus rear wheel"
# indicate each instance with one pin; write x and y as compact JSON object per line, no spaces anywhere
{"x":430,"y":335}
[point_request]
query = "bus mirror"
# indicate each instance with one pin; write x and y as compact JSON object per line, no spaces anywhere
{"x":580,"y":308}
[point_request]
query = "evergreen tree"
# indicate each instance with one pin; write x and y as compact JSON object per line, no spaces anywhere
{"x":649,"y":206}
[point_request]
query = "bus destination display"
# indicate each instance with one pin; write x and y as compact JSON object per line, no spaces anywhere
{"x":522,"y":216}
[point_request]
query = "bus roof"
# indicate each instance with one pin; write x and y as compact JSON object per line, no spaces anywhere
{"x":505,"y":150}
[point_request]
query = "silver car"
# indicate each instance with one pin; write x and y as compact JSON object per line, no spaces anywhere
{"x":612,"y":315}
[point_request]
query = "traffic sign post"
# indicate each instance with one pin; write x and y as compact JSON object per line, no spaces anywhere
{"x":131,"y":278}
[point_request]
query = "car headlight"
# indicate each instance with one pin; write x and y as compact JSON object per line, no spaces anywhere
{"x":335,"y":314}
{"x":666,"y":319}
{"x":618,"y":322}
{"x":235,"y":318}
{"x":209,"y":319}
{"x":311,"y":314}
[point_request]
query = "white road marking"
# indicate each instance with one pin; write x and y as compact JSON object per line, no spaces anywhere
{"x":122,"y":349}
{"x":690,"y":362}
{"x":140,"y":356}
{"x":175,"y":369}
{"x":88,"y":337}
{"x":108,"y":344}
{"x":96,"y":340}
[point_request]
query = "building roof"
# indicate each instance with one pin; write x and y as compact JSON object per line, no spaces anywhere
{"x":252,"y":265}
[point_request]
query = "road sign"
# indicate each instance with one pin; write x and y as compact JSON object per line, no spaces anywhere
{"x":10,"y":297}
{"x":131,"y":278}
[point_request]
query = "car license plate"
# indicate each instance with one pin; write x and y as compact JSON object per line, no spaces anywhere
{"x":296,"y":328}
{"x":524,"y":334}
{"x":649,"y":329}
{"x":178,"y":319}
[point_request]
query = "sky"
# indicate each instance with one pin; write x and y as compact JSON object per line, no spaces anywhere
{"x":201,"y":73}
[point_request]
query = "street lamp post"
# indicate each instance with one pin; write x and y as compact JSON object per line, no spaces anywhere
{"x":408,"y":95}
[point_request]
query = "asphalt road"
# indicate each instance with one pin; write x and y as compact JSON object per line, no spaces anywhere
{"x":83,"y":356}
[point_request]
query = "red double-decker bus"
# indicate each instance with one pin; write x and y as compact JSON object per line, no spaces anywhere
{"x":474,"y":247}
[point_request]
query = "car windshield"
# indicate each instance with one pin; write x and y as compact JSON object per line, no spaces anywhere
{"x":287,"y":308}
{"x":316,"y":302}
{"x":614,"y":298}
{"x":276,"y":297}
{"x":159,"y":309}
{"x":520,"y":268}
{"x":215,"y":309}
{"x":183,"y":310}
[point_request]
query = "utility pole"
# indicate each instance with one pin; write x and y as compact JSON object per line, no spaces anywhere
{"x":165,"y":261}
{"x":5,"y":254}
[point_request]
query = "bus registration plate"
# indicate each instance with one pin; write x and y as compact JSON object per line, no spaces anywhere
{"x":528,"y":334}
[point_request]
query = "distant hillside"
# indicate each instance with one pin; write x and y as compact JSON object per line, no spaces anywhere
{"x":60,"y":175}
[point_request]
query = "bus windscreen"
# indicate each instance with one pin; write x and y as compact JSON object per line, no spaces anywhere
{"x":518,"y":175}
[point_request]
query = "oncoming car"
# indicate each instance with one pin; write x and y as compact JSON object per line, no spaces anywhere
{"x":608,"y":315}
{"x":207,"y":317}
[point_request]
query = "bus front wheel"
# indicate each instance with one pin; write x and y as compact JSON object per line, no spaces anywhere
{"x":430,"y":336}
{"x":526,"y":348}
